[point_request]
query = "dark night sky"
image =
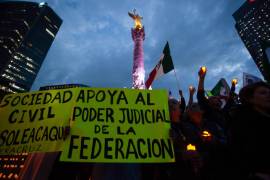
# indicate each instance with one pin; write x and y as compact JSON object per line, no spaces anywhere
{"x":94,"y":44}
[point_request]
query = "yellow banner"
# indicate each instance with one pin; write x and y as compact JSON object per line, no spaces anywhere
{"x":119,"y":125}
{"x":107,"y":124}
{"x":34,"y":122}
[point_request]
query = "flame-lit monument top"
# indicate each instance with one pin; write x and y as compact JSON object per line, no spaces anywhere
{"x":137,"y":19}
{"x":138,"y":35}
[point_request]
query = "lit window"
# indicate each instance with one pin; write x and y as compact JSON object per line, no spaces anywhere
{"x":17,"y":64}
{"x":30,"y":65}
{"x":50,"y":33}
{"x":16,"y":57}
{"x":25,"y":22}
{"x":8,"y":77}
{"x":4,"y":88}
{"x":12,"y":67}
{"x":30,"y":60}
{"x":16,"y":30}
{"x":42,"y":4}
{"x":11,"y":39}
{"x":29,"y":70}
{"x":47,"y":19}
{"x":55,"y":26}
{"x":16,"y":87}
{"x":16,"y":75}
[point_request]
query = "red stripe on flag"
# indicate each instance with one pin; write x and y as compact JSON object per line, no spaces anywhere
{"x":151,"y":78}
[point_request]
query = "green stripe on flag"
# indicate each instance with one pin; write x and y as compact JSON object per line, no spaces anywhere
{"x":167,"y":62}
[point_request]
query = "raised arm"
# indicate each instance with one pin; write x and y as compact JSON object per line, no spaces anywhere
{"x":202,"y":101}
{"x":202,"y":74}
{"x":231,"y":99}
{"x":192,"y":90}
{"x":183,"y":101}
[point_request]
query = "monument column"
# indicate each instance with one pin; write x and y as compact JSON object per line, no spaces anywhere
{"x":138,"y":36}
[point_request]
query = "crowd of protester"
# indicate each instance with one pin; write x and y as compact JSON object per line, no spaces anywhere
{"x":229,"y":142}
{"x":212,"y":141}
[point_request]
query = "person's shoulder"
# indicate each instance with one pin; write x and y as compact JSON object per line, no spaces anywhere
{"x":241,"y":114}
{"x":239,"y":109}
{"x":187,"y":126}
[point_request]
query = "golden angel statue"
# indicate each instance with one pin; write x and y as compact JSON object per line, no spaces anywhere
{"x":137,"y":19}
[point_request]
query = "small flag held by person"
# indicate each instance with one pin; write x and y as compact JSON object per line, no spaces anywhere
{"x":250,"y":79}
{"x":221,"y":88}
{"x":164,"y":66}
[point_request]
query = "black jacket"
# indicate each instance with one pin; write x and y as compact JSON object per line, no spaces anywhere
{"x":249,"y":141}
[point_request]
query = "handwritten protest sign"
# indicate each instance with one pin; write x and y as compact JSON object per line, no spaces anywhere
{"x":34,"y":122}
{"x":107,"y":124}
{"x":119,"y":125}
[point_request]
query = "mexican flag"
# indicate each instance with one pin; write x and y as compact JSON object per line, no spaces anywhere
{"x":221,"y":88}
{"x":164,"y":66}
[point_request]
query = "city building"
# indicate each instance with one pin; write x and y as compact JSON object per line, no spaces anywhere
{"x":253,"y":26}
{"x":27,"y":30}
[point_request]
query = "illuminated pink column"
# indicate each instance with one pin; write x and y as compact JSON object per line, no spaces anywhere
{"x":138,"y":72}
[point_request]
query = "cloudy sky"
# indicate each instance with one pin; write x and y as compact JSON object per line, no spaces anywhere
{"x":94,"y":45}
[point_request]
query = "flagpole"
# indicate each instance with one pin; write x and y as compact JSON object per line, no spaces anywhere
{"x":177,"y":81}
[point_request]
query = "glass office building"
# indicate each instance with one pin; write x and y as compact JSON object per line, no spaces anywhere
{"x":27,"y":31}
{"x":253,"y":26}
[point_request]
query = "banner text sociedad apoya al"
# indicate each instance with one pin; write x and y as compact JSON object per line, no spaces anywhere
{"x":108,"y":116}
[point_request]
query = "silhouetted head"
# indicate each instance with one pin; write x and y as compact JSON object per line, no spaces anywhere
{"x":256,"y":95}
{"x":215,"y":102}
{"x":174,"y":110}
{"x":195,"y":113}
